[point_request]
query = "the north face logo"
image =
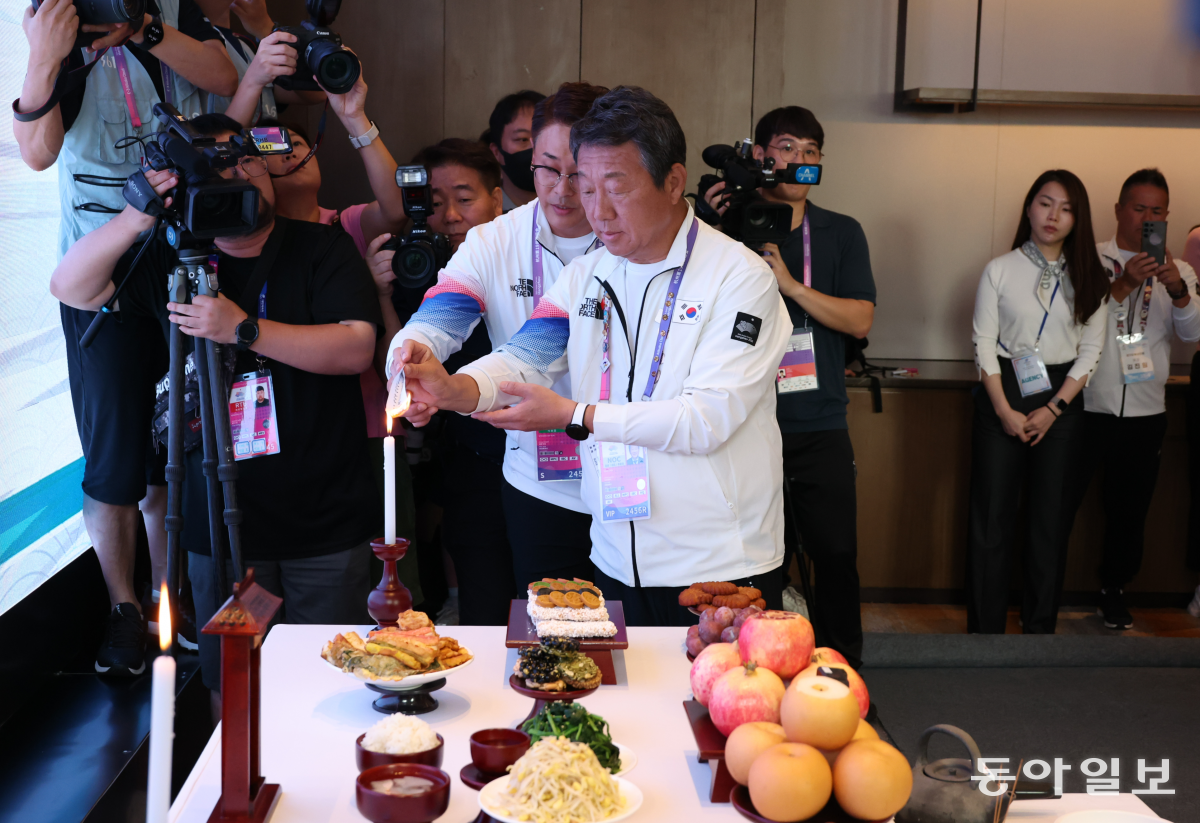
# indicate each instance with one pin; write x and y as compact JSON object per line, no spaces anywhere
{"x":590,"y":307}
{"x":522,"y":288}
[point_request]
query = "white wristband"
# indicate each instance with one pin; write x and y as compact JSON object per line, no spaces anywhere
{"x":577,"y":417}
{"x":366,"y":138}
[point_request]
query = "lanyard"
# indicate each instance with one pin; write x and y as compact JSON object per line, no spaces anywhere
{"x":1145,"y":314}
{"x":127,"y":86}
{"x":538,"y":288}
{"x":605,"y":363}
{"x":804,"y":232}
{"x":262,"y":295}
{"x":168,"y":77}
{"x":664,"y":324}
{"x":1042,"y":327}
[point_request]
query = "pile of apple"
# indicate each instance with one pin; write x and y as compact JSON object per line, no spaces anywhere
{"x":797,"y":745}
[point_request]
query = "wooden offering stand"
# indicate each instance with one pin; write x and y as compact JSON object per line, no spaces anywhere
{"x":246,"y":797}
{"x":473,"y":778}
{"x":542,"y":697}
{"x":832,"y":813}
{"x":407,"y":701}
{"x":522,"y":632}
{"x":390,"y":598}
{"x":712,"y":748}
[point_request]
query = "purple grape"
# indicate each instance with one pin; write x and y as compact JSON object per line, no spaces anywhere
{"x":729,"y":634}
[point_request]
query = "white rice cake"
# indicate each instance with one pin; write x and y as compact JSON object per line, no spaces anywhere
{"x":570,"y":628}
{"x":539,"y":613}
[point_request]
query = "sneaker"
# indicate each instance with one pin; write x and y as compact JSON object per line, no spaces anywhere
{"x":1112,"y":609}
{"x":185,"y":636}
{"x":123,"y":651}
{"x":1194,"y":606}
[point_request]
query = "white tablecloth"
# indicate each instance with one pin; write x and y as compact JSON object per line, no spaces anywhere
{"x":311,"y":715}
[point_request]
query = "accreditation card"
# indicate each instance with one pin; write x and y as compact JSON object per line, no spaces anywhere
{"x":1137,"y":366}
{"x":252,"y":416}
{"x":624,"y":483}
{"x":1032,"y":376}
{"x":558,"y":456}
{"x":798,"y":369}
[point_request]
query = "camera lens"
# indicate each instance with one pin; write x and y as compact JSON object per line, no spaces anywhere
{"x":95,"y":12}
{"x":414,"y":264}
{"x":757,"y":219}
{"x":334,"y":67}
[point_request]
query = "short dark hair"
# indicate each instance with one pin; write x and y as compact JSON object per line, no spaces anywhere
{"x":271,"y":122}
{"x":1144,"y":177}
{"x":213,"y":124}
{"x":457,"y":151}
{"x":507,"y":110}
{"x":794,"y":120}
{"x":632,"y":114}
{"x":567,"y":105}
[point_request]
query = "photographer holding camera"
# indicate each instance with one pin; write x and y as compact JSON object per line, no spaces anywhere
{"x":258,"y":63}
{"x":824,"y":273}
{"x":495,"y":276}
{"x":297,"y":302}
{"x":90,"y":83}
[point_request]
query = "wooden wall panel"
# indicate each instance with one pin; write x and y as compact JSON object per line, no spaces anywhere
{"x":495,"y":48}
{"x":400,"y":43}
{"x":697,"y":55}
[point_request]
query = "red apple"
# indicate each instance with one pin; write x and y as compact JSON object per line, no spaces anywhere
{"x":745,"y":694}
{"x":857,"y":687}
{"x":780,"y":641}
{"x":824,"y":654}
{"x":712,"y":662}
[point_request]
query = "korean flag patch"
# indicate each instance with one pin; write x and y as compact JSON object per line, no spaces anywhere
{"x":746,"y":328}
{"x":687,"y":312}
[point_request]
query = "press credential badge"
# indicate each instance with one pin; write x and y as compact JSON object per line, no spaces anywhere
{"x":798,"y":369}
{"x":624,"y":483}
{"x":1032,"y":376}
{"x":252,"y":422}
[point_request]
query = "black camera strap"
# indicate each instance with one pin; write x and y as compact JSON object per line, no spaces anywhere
{"x":64,"y":84}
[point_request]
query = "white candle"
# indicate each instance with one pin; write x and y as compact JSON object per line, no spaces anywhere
{"x":162,"y":720}
{"x":389,"y":486}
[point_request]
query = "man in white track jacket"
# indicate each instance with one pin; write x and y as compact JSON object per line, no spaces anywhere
{"x":672,"y":335}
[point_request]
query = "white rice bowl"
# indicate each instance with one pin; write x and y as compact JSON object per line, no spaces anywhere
{"x":400,"y":734}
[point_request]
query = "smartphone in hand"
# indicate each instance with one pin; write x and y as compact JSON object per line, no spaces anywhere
{"x":1154,"y":240}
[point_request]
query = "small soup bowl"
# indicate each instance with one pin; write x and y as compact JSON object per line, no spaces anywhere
{"x":366,"y":759}
{"x":494,"y":750}
{"x":380,"y":807}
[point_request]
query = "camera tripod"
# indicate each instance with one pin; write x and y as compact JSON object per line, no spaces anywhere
{"x":191,"y":278}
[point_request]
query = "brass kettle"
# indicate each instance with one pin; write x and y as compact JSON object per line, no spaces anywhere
{"x":943,"y":791}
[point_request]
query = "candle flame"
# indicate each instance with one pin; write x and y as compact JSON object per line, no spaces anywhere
{"x":164,"y":619}
{"x":389,"y":425}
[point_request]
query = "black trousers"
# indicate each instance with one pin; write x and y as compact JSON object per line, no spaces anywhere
{"x":1128,"y":451}
{"x":821,"y":472}
{"x":659,"y":605}
{"x":475,"y":534}
{"x":1193,"y":436}
{"x":1000,"y":464}
{"x":547,"y":540}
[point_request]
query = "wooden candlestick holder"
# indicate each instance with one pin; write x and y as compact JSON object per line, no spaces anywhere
{"x":390,"y":598}
{"x":246,"y":797}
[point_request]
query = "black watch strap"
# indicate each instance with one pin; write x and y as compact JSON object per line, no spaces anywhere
{"x":247,"y":333}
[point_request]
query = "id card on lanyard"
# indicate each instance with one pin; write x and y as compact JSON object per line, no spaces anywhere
{"x":557,"y":454}
{"x":1137,"y":366}
{"x":798,"y":369}
{"x":624,"y":469}
{"x":1030,"y":367}
{"x":252,"y":419}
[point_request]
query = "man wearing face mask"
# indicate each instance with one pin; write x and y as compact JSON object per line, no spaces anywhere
{"x":510,"y":137}
{"x":498,"y":275}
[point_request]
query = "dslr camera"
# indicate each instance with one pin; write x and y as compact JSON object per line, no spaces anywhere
{"x":205,"y":204}
{"x":420,"y":253}
{"x":101,"y":12}
{"x":749,"y":217}
{"x":322,"y":57}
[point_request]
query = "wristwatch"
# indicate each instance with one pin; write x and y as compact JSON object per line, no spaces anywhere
{"x":1059,"y":404}
{"x":366,"y":138}
{"x":1182,"y":292}
{"x":246,"y":333}
{"x":152,"y":34}
{"x":575,"y":429}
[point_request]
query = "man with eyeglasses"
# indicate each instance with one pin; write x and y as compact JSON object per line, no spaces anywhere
{"x":498,"y":275}
{"x":295,"y":303}
{"x":824,"y":274}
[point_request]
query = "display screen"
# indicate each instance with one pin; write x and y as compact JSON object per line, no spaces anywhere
{"x":41,"y":464}
{"x":271,"y":140}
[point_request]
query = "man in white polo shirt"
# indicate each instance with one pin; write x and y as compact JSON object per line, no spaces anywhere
{"x":672,"y":334}
{"x":498,"y":275}
{"x":1126,"y":398}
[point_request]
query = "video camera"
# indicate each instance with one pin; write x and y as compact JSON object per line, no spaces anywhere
{"x":322,"y":57}
{"x":204,"y":203}
{"x":420,"y":253}
{"x":749,"y":217}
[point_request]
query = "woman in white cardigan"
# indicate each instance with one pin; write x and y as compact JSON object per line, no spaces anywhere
{"x":1040,"y":316}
